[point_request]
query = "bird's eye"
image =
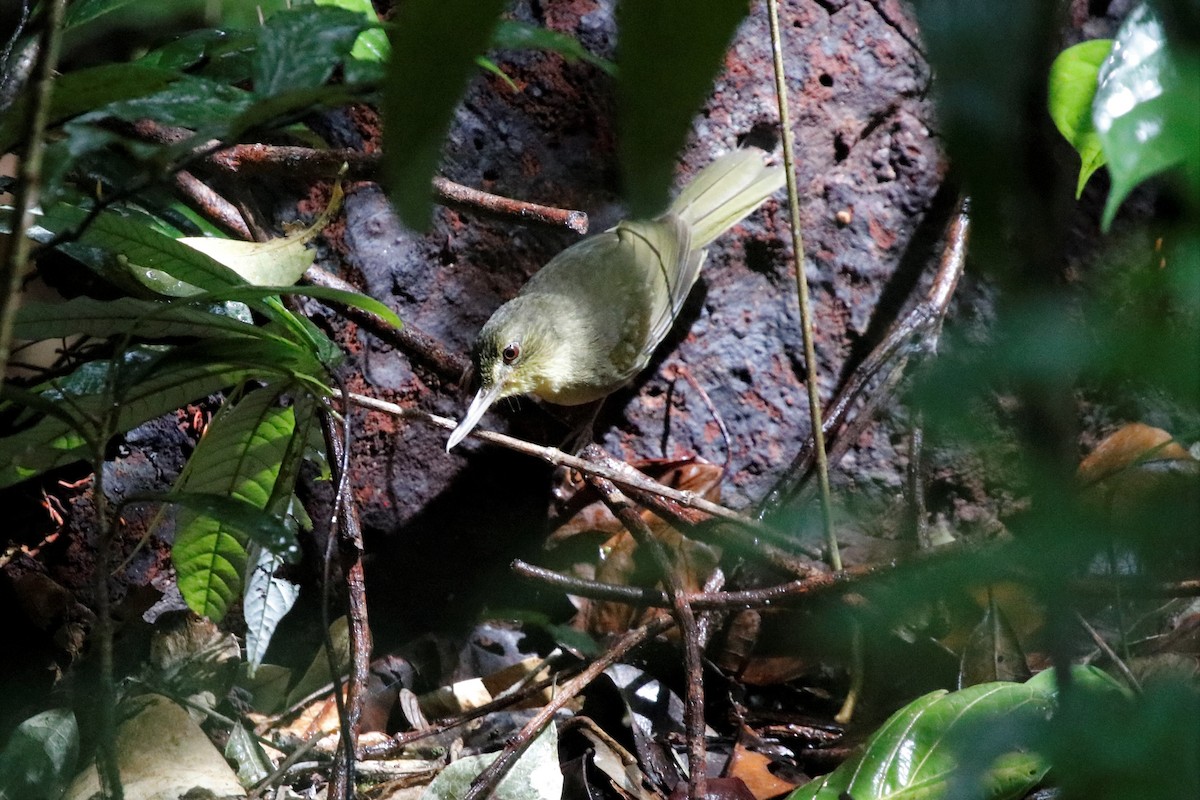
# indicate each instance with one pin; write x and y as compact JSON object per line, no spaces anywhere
{"x":511,"y":352}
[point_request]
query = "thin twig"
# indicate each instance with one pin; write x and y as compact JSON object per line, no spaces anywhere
{"x":485,"y":783}
{"x":290,"y":161}
{"x":916,"y":333}
{"x":29,"y":176}
{"x":401,"y":740}
{"x":1105,"y":648}
{"x":631,"y":479}
{"x":347,"y":531}
{"x":685,"y":618}
{"x":412,"y":340}
{"x":204,"y":199}
{"x":806,"y":320}
{"x":785,"y":595}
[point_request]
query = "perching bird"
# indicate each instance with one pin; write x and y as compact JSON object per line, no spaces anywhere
{"x":589,"y":320}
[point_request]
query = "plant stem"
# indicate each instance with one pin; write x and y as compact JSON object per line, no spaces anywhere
{"x":806,"y":324}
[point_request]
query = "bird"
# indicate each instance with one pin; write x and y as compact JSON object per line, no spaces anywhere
{"x":588,"y":321}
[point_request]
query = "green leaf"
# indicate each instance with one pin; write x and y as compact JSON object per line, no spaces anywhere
{"x":145,"y":252}
{"x":130,"y":12}
{"x":494,"y":68}
{"x":147,"y":319}
{"x":670,"y":52}
{"x":1073,"y":78}
{"x":433,"y":55}
{"x":299,"y":48}
{"x":39,"y":759}
{"x":372,"y":44}
{"x":1147,"y":108}
{"x":85,"y":90}
{"x":190,"y":102}
{"x":239,"y":458}
{"x":513,"y":34}
{"x":917,"y":752}
{"x":150,"y":381}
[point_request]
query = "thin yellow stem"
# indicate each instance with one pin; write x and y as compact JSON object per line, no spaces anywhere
{"x":806,"y":323}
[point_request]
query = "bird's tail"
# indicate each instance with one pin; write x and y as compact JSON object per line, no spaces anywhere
{"x":725,"y":192}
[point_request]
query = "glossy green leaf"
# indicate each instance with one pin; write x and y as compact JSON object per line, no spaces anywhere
{"x":1147,"y":108}
{"x":149,"y":256}
{"x":238,"y":458}
{"x":333,"y":296}
{"x":1073,"y":78}
{"x":670,"y":52}
{"x":84,"y":11}
{"x":290,"y":106}
{"x":85,"y":90}
{"x":39,"y":759}
{"x":150,"y":381}
{"x":372,"y":44}
{"x":190,"y":102}
{"x":916,"y":753}
{"x":146,"y":319}
{"x":433,"y":55}
{"x":299,"y":48}
{"x":116,"y":13}
{"x":513,"y":34}
{"x":494,"y":68}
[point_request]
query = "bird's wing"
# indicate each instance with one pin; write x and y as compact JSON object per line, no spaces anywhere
{"x":662,"y":251}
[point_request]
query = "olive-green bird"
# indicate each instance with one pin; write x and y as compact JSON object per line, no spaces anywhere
{"x":589,"y":320}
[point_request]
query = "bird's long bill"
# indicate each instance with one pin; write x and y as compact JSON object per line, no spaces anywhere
{"x":483,"y":399}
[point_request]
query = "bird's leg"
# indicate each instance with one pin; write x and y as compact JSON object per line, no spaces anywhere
{"x":582,"y":431}
{"x":566,"y":480}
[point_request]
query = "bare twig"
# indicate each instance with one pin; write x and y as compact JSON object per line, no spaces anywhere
{"x":212,"y":205}
{"x":784,"y":595}
{"x":916,"y":334}
{"x":630,"y":479}
{"x":1105,"y":648}
{"x":400,"y":740}
{"x":15,"y":256}
{"x":413,"y":341}
{"x":348,"y":531}
{"x":689,"y":635}
{"x":806,"y":320}
{"x":290,"y":161}
{"x":485,"y":783}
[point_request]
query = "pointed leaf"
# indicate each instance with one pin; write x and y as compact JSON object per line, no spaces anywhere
{"x":917,"y":752}
{"x":143,"y":250}
{"x":84,"y":90}
{"x":300,"y":47}
{"x":238,"y":458}
{"x":268,"y":598}
{"x":40,"y":757}
{"x":1147,"y":107}
{"x":146,"y":319}
{"x":1073,"y":78}
{"x":165,"y":385}
{"x":512,"y":34}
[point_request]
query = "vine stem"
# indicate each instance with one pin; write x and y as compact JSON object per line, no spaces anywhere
{"x":14,"y":258}
{"x":806,"y":320}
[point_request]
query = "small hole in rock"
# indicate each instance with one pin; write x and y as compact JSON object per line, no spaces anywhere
{"x":826,"y":79}
{"x":840,"y":149}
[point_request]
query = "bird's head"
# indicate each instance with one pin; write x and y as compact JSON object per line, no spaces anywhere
{"x":516,"y":353}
